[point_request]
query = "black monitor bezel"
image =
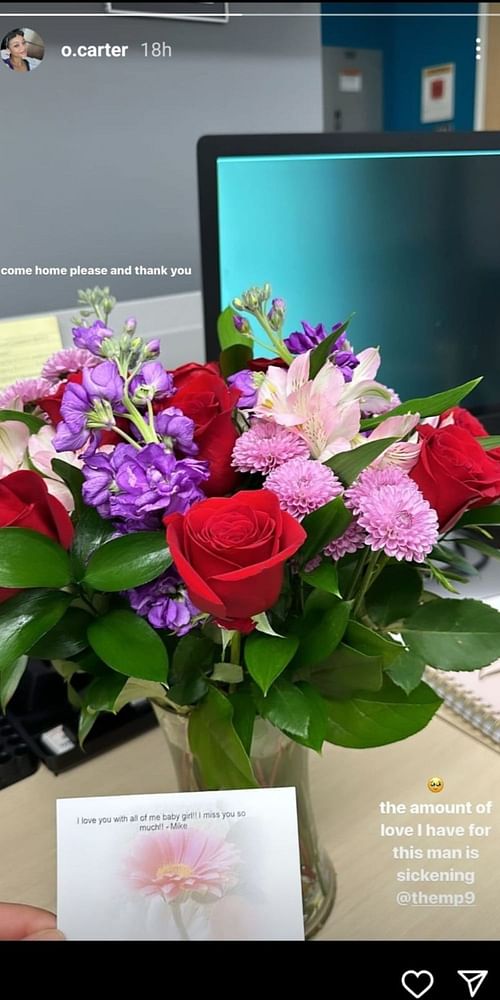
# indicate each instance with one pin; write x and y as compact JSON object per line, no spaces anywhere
{"x":211,"y":147}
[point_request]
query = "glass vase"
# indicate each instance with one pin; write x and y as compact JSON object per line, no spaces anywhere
{"x":277,"y":762}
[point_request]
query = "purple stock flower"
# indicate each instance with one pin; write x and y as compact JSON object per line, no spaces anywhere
{"x":88,"y":404}
{"x":152,"y":381}
{"x":179,"y":429}
{"x":103,"y":382}
{"x":165,"y":603}
{"x":72,"y":431}
{"x":343,"y":357}
{"x":245,"y":382}
{"x":91,"y":337}
{"x":141,"y":486}
{"x":298,"y":342}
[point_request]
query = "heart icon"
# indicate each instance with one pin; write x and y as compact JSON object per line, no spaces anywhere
{"x":417,"y":983}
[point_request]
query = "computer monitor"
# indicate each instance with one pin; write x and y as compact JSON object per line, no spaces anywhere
{"x":402,"y":230}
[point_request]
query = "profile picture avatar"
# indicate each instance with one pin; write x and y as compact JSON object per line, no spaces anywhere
{"x":22,"y":50}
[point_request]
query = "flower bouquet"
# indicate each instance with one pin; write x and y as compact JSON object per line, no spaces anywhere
{"x":262,"y":541}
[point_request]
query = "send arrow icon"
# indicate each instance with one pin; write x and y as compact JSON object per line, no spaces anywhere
{"x":474,"y":978}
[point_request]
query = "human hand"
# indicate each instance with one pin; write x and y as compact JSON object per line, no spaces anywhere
{"x":27,"y":923}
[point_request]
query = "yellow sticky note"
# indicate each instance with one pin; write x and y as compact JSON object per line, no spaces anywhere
{"x":25,"y":345}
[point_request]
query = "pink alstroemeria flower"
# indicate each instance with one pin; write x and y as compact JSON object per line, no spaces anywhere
{"x":176,"y":863}
{"x":315,"y":407}
{"x":371,"y":395}
{"x":402,"y":454}
{"x":41,"y":451}
{"x":14,"y":437}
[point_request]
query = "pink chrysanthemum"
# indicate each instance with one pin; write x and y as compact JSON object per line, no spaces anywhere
{"x":354,"y":538}
{"x":178,"y":862}
{"x":394,"y":514}
{"x":27,"y":390}
{"x":71,"y":359}
{"x":266,"y":446}
{"x":303,"y":485}
{"x":370,"y":480}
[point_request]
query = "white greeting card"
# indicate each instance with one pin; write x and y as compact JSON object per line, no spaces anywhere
{"x":191,"y":866}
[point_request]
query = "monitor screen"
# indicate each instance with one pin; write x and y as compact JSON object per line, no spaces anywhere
{"x":407,"y":239}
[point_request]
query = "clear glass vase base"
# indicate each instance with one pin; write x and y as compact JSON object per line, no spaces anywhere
{"x":277,"y":762}
{"x":318,"y":895}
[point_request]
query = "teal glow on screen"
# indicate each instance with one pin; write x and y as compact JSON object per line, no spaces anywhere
{"x":407,"y":241}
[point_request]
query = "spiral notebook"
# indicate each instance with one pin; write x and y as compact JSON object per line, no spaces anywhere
{"x":472,"y":696}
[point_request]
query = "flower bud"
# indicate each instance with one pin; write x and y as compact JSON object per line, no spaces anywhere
{"x":130,"y":325}
{"x":241,"y":324}
{"x":152,"y":348}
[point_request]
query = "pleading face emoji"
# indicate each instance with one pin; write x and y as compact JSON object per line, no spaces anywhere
{"x":435,"y":784}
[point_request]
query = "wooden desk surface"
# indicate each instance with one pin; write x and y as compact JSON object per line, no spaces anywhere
{"x":347,"y":787}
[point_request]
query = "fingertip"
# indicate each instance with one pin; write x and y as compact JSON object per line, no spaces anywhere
{"x":51,"y":934}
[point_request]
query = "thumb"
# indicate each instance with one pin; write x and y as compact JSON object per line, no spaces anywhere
{"x":48,"y":935}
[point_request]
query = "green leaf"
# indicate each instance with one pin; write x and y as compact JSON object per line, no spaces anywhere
{"x":454,"y":634}
{"x":450,"y":557}
{"x":128,"y":562}
{"x":262,"y":624}
{"x":74,"y":480}
{"x":445,"y":580}
{"x":29,"y":559}
{"x":322,"y":526}
{"x":193,"y":656}
{"x":25,"y":618}
{"x":33,"y":423}
{"x":324,"y":577}
{"x":483,"y":547}
{"x":296,"y":709}
{"x":227,"y":332}
{"x":227,"y":673}
{"x":244,"y":713}
{"x":371,"y":643}
{"x":345,"y":671}
{"x":426,"y":406}
{"x":483,"y":515}
{"x":394,"y":595}
{"x":66,"y":639}
{"x":219,"y":752}
{"x":234,"y":359}
{"x":86,"y":721}
{"x":102,"y":693}
{"x":322,"y":352}
{"x":9,"y":680}
{"x":348,"y":464}
{"x":489,"y":442}
{"x":406,"y":671}
{"x":135,"y":690}
{"x":266,"y":657}
{"x":91,"y":532}
{"x":128,"y":644}
{"x":321,"y":629}
{"x":374,"y":719}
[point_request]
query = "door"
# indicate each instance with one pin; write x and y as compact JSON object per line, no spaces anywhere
{"x":352,"y":89}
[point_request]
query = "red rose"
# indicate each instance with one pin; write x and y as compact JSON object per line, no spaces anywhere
{"x":26,"y":503}
{"x":183,"y":373}
{"x":231,"y":552}
{"x":205,"y":398}
{"x":262,"y":364}
{"x":462,"y":418}
{"x":454,"y":473}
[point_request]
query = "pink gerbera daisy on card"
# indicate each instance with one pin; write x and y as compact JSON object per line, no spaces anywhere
{"x":177,"y":863}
